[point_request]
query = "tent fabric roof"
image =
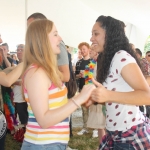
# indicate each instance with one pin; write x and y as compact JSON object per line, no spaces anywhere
{"x":74,"y":18}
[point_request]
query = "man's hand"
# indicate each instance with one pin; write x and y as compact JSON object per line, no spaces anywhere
{"x":3,"y":52}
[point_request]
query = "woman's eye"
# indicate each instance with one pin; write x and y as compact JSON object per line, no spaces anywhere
{"x":95,"y":34}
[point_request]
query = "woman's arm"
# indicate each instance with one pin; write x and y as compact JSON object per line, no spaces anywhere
{"x":148,"y":79}
{"x":37,"y":84}
{"x":8,"y":69}
{"x":132,"y":74}
{"x":8,"y":79}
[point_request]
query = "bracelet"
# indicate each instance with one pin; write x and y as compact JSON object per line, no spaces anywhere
{"x":75,"y":103}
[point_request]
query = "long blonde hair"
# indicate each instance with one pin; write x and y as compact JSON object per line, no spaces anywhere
{"x":38,"y":50}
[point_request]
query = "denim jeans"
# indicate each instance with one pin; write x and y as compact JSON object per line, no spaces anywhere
{"x":30,"y":146}
{"x":121,"y":146}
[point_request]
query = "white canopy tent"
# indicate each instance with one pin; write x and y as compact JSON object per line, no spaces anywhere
{"x":74,"y":18}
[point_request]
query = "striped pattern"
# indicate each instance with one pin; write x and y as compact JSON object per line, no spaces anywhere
{"x":58,"y":133}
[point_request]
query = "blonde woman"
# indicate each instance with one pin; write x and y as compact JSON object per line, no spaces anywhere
{"x":46,"y":95}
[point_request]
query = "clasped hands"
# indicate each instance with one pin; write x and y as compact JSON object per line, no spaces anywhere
{"x":95,"y":92}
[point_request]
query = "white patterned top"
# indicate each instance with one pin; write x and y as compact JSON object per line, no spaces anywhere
{"x":120,"y":117}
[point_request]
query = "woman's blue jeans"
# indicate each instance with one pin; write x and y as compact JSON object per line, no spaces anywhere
{"x":30,"y":146}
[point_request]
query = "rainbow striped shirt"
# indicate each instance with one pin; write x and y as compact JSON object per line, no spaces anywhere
{"x":58,"y":133}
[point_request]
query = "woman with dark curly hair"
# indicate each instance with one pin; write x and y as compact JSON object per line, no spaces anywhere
{"x":122,"y":86}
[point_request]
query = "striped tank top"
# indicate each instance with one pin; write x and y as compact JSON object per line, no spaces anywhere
{"x":58,"y":133}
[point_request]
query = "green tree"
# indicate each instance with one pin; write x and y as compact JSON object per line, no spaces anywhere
{"x":147,"y":45}
{"x":75,"y":50}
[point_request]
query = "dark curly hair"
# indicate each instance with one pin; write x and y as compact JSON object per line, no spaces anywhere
{"x":115,"y":40}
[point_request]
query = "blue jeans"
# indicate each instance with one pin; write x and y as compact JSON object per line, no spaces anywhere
{"x":30,"y":146}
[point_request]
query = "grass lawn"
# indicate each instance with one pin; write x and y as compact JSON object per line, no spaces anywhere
{"x":84,"y":142}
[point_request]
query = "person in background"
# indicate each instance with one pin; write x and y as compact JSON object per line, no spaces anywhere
{"x":139,"y":56}
{"x":138,"y":53}
{"x":76,"y":59}
{"x":96,"y":119}
{"x":118,"y":86}
{"x":71,"y":73}
{"x":18,"y":99}
{"x":44,"y":90}
{"x":8,"y":55}
{"x":6,"y":79}
{"x":145,"y":64}
{"x":7,"y":91}
{"x":15,"y":59}
{"x":7,"y":61}
{"x":80,"y":67}
{"x":62,"y":57}
{"x":133,"y":47}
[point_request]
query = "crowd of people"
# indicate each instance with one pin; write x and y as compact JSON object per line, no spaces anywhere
{"x":111,"y":69}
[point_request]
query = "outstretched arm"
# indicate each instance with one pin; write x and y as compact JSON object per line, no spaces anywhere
{"x":8,"y":79}
{"x":148,"y":79}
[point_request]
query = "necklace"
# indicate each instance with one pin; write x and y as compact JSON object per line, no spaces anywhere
{"x":89,"y":71}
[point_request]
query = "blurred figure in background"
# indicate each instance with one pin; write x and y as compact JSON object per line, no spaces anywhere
{"x":138,"y":53}
{"x":15,"y":59}
{"x":76,"y":59}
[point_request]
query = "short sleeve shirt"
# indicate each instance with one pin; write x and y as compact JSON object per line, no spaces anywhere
{"x":62,"y":57}
{"x":80,"y":65}
{"x":120,"y":117}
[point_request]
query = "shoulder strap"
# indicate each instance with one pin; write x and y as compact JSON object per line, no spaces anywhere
{"x":25,"y":73}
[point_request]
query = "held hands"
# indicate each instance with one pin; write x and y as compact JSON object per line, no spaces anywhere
{"x":99,"y":94}
{"x":91,"y":93}
{"x":86,"y":93}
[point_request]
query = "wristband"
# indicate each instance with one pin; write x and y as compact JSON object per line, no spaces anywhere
{"x":75,"y":103}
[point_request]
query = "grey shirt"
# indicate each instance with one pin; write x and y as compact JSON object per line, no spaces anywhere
{"x":62,"y":57}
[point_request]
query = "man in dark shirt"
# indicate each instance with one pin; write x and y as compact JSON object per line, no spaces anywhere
{"x":80,"y":67}
{"x":7,"y":61}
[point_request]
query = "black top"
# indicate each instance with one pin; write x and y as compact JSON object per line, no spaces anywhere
{"x":6,"y":89}
{"x":10,"y":60}
{"x":80,"y":65}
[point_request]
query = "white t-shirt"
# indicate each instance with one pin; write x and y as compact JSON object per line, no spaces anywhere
{"x":120,"y":117}
{"x":18,"y":94}
{"x":75,"y":61}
